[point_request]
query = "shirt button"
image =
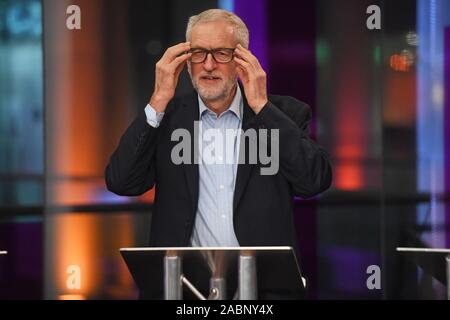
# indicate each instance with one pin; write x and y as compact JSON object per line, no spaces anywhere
{"x":221,"y":187}
{"x":219,"y":158}
{"x":223,"y":216}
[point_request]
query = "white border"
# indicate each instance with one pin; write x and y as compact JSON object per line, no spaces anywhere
{"x":436,"y":250}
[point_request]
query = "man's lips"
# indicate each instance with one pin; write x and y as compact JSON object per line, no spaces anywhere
{"x":210,"y":78}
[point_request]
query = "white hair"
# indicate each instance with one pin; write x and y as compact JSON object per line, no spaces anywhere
{"x":240,"y":29}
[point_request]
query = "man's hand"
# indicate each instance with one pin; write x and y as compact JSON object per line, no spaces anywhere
{"x":253,"y":78}
{"x":168,"y":69}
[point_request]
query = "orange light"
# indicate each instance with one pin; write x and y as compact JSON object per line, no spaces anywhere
{"x":349,"y":177}
{"x":78,"y":244}
{"x":399,"y":63}
{"x":71,"y":297}
{"x":352,"y":129}
{"x":83,"y":109}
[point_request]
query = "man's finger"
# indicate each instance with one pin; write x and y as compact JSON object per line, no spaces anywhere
{"x":174,"y":51}
{"x":241,"y":73}
{"x":180,"y":59}
{"x":246,"y":55}
{"x":244,"y":64}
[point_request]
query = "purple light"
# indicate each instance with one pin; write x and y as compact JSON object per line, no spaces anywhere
{"x":255,"y":17}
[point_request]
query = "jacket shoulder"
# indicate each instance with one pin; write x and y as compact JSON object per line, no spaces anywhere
{"x":290,"y":105}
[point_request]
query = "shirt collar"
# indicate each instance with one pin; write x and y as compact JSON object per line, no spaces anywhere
{"x":236,"y":106}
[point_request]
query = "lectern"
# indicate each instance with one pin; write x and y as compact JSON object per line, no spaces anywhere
{"x":435,"y":262}
{"x":215,"y":273}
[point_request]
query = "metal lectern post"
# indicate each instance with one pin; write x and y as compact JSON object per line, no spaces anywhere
{"x":162,"y":272}
{"x":217,"y":289}
{"x":447,"y":264}
{"x":172,"y":278}
{"x":247,"y":277}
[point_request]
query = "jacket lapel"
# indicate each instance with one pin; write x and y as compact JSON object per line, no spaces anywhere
{"x":190,"y":114}
{"x":244,"y":170}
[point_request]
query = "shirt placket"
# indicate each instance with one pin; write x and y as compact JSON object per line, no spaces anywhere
{"x":222,"y":176}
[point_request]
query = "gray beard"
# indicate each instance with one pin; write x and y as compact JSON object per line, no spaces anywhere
{"x":223,"y":94}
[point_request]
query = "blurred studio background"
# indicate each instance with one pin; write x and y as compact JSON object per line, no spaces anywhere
{"x":381,"y":107}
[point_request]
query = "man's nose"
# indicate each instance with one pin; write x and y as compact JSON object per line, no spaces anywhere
{"x":209,"y":64}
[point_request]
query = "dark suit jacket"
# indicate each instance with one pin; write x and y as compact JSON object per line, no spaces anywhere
{"x":263,"y":204}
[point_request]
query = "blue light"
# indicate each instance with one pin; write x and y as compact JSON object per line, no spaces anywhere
{"x":226,"y":5}
{"x":24,"y":19}
{"x":432,"y":17}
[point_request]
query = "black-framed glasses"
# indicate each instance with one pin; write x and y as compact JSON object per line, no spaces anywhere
{"x":220,"y":55}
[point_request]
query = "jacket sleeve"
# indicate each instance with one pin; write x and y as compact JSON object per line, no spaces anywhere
{"x":302,"y":162}
{"x":131,"y":168}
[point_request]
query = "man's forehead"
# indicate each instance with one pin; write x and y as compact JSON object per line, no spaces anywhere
{"x":214,"y":34}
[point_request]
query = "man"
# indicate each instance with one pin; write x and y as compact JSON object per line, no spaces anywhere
{"x":218,"y":204}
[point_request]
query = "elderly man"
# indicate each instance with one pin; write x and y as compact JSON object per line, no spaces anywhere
{"x":220,"y":203}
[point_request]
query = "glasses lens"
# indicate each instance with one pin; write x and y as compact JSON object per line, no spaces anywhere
{"x":198,"y":56}
{"x":223,"y":55}
{"x":220,"y":55}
